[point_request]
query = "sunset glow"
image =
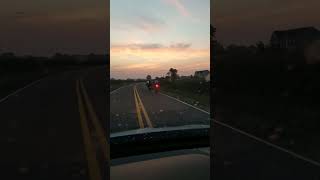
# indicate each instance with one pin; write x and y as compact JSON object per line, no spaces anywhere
{"x":175,"y":34}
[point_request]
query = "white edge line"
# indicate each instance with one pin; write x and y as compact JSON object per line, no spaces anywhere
{"x":112,"y":92}
{"x":186,"y":103}
{"x":251,"y":136}
{"x":17,"y":91}
{"x":270,"y":144}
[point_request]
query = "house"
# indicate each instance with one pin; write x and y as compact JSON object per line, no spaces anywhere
{"x":205,"y":74}
{"x":207,"y":77}
{"x":294,"y":39}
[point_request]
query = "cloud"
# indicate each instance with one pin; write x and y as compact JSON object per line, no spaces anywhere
{"x":136,"y":46}
{"x":146,"y":55}
{"x":180,"y":7}
{"x":180,"y":45}
{"x":144,"y":65}
{"x":150,"y":46}
{"x":145,"y":23}
{"x":150,"y":24}
{"x":138,"y":59}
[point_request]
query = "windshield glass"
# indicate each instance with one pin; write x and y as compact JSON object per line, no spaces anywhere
{"x":160,"y":65}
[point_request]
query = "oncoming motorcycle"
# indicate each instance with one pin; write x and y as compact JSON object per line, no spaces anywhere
{"x":153,"y":85}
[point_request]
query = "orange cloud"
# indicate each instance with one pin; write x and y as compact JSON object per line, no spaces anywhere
{"x":157,"y":52}
{"x":141,"y":59}
{"x":147,"y":65}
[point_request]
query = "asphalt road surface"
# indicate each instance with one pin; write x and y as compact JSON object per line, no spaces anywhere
{"x":56,"y":128}
{"x":237,"y":155}
{"x":135,"y":107}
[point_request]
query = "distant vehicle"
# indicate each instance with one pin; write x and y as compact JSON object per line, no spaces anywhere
{"x":149,"y":84}
{"x":156,"y":86}
{"x":153,"y":85}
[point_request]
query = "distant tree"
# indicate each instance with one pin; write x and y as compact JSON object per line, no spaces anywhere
{"x":7,"y":55}
{"x":173,"y":74}
{"x":219,"y":49}
{"x":57,"y":55}
{"x":235,"y":49}
{"x":260,"y":46}
{"x":212,"y":33}
{"x":252,"y":49}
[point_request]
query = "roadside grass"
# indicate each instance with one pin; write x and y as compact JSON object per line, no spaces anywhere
{"x":18,"y":71}
{"x":192,"y":91}
{"x":271,"y":98}
{"x":12,"y":81}
{"x":290,"y":124}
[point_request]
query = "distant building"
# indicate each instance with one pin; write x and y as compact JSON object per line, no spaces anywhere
{"x":207,"y":77}
{"x":205,"y":74}
{"x":294,"y":39}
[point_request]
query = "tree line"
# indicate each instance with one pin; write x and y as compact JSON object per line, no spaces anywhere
{"x":11,"y":63}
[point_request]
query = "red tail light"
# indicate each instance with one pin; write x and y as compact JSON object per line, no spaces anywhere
{"x":157,"y":85}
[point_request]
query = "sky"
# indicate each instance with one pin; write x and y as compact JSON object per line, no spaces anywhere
{"x":248,"y":21}
{"x":44,"y":27}
{"x":152,"y":36}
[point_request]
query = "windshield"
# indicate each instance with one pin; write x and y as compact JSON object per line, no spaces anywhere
{"x":159,"y":74}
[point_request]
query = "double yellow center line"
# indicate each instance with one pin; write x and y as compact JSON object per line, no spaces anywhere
{"x":140,"y":108}
{"x":91,"y":148}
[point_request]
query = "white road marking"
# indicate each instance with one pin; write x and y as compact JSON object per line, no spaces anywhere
{"x":252,"y":136}
{"x":270,"y":144}
{"x":186,"y":104}
{"x":114,"y":91}
{"x":17,"y":91}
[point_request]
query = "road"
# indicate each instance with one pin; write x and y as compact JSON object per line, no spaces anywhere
{"x":237,"y":155}
{"x":135,"y":107}
{"x":56,"y":128}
